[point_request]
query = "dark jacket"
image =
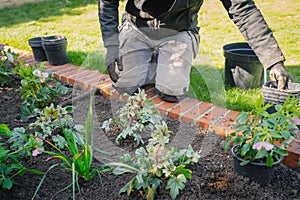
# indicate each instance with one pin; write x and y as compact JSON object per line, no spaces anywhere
{"x":181,"y":15}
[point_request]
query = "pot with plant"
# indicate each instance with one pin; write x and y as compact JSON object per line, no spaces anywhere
{"x":261,"y":138}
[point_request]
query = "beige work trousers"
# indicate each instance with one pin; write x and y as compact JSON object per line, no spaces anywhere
{"x":170,"y":72}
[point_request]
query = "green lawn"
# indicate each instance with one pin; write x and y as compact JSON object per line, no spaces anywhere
{"x":78,"y":21}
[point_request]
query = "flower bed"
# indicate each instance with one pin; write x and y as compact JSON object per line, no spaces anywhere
{"x":212,"y":176}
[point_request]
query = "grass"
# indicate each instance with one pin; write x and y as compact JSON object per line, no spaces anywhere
{"x":78,"y":21}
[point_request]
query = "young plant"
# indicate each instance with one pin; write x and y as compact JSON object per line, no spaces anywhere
{"x":37,"y":92}
{"x":10,"y":165}
{"x":157,"y":163}
{"x":263,"y":136}
{"x":136,"y":116}
{"x":79,"y":156}
{"x":8,"y":60}
{"x":49,"y":123}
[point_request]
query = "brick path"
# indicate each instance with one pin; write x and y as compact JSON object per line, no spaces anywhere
{"x":207,"y":115}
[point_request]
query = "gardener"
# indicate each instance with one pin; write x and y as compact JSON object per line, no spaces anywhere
{"x":157,"y":39}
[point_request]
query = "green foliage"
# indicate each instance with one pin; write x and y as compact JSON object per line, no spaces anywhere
{"x":4,"y":130}
{"x":157,"y":163}
{"x":8,"y":60}
{"x":79,"y":156}
{"x":36,"y":92}
{"x":10,"y":164}
{"x":264,"y":136}
{"x":51,"y":119}
{"x":136,"y":116}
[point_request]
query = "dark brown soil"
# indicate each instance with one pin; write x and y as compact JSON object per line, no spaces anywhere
{"x":212,"y":177}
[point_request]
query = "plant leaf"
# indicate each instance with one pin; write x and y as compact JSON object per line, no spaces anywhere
{"x":261,"y":154}
{"x":281,"y":152}
{"x":5,"y":130}
{"x":128,"y":187}
{"x":182,"y":170}
{"x":242,"y":117}
{"x":175,"y":184}
{"x":270,"y":160}
{"x":7,"y":183}
{"x":245,"y":162}
{"x":285,"y":134}
{"x":245,"y":148}
{"x":35,"y":171}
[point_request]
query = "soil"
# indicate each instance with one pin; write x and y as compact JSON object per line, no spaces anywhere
{"x":212,"y":177}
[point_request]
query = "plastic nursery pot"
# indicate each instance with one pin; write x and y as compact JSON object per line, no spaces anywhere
{"x":258,"y":172}
{"x":56,"y":49}
{"x":242,"y":67}
{"x":37,"y":49}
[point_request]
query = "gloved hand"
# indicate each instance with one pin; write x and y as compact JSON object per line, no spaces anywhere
{"x":279,"y":75}
{"x":112,"y":60}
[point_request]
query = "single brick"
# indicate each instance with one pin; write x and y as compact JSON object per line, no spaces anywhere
{"x":68,"y":68}
{"x":103,"y":85}
{"x":98,"y":79}
{"x":156,"y":100}
{"x":166,"y":106}
{"x":292,"y":160}
{"x":294,"y":147}
{"x":29,"y":60}
{"x":183,"y":106}
{"x":89,"y":77}
{"x":115,"y":95}
{"x":107,"y":91}
{"x":150,"y":92}
{"x":210,"y":118}
{"x":221,"y":127}
{"x":228,"y":119}
{"x":72,"y":79}
{"x":71,"y":71}
{"x":25,"y":56}
{"x":84,"y":82}
{"x":53,"y":68}
{"x":82,"y":85}
{"x":197,"y":111}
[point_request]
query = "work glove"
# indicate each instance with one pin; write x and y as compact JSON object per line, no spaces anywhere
{"x":280,"y":76}
{"x":112,"y":60}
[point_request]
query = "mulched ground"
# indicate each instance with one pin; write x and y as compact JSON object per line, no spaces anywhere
{"x":212,"y":177}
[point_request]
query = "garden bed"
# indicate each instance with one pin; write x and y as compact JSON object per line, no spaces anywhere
{"x":212,"y":177}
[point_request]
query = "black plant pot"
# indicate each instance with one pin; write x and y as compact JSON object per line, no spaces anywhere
{"x":37,"y":49}
{"x":242,"y":66}
{"x":258,"y":172}
{"x":56,"y":49}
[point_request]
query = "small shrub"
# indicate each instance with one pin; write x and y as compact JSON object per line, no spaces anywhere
{"x":8,"y":60}
{"x":79,"y":155}
{"x":36,"y":92}
{"x":49,"y":123}
{"x":10,"y":165}
{"x":263,"y":136}
{"x":136,"y":116}
{"x":157,"y":163}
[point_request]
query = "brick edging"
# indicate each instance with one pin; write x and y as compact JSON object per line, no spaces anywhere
{"x":191,"y":110}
